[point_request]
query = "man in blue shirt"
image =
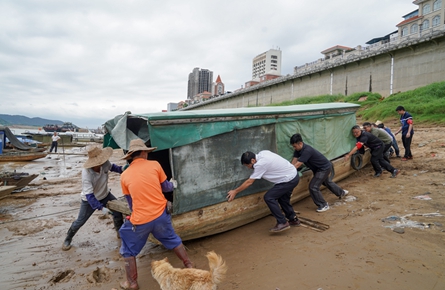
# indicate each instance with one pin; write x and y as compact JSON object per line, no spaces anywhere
{"x":394,"y":140}
{"x":320,"y":166}
{"x":407,"y":131}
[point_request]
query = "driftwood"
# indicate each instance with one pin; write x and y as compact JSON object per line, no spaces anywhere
{"x":314,"y":225}
{"x":119,"y":206}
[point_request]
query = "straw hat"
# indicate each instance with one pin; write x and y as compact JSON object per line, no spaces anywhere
{"x":378,"y":122}
{"x":97,"y":156}
{"x":137,"y":145}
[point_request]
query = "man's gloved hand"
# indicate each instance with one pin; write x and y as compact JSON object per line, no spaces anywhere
{"x":106,"y":211}
{"x":175,"y":183}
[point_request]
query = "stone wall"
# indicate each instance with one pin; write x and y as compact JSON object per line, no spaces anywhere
{"x":413,"y":63}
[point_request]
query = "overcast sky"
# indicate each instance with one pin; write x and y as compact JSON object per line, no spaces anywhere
{"x":88,"y":61}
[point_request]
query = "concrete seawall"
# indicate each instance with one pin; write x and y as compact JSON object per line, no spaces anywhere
{"x":409,"y":64}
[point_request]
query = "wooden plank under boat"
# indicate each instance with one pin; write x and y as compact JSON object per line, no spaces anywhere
{"x":18,"y":179}
{"x":202,"y":149}
{"x":6,"y":190}
{"x":25,"y":156}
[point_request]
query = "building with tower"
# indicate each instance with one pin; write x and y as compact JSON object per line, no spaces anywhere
{"x":218,"y":87}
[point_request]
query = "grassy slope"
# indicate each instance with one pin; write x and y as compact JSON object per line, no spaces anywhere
{"x":426,"y":104}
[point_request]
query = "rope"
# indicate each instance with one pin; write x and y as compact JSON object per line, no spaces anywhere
{"x":30,"y":218}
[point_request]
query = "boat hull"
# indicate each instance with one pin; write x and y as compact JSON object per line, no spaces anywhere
{"x":6,"y":190}
{"x":226,"y":216}
{"x":222,"y":217}
{"x":18,"y":180}
{"x":22,"y":157}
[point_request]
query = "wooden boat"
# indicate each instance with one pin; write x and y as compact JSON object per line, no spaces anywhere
{"x":21,"y":156}
{"x":6,"y":190}
{"x":18,"y":179}
{"x":202,"y":149}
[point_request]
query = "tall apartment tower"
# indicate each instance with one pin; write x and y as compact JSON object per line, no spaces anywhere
{"x":266,"y":62}
{"x":200,"y":80}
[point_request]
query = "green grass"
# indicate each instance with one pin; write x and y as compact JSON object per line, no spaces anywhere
{"x":426,"y":104}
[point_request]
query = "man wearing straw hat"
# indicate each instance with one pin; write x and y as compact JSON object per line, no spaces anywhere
{"x":95,"y":193}
{"x":143,"y":184}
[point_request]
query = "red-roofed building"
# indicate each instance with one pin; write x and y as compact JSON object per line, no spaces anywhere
{"x":336,"y":50}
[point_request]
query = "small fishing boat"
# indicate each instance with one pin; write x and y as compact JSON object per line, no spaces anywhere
{"x":201,"y":149}
{"x":16,"y":156}
{"x":6,"y":190}
{"x":19,"y":151}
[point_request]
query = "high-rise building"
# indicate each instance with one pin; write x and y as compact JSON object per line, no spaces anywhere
{"x":200,"y":80}
{"x":266,"y":62}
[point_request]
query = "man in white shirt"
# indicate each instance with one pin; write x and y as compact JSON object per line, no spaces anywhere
{"x":274,"y":168}
{"x":55,"y":139}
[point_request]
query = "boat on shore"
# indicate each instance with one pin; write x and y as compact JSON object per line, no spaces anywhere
{"x":17,"y":179}
{"x":18,"y":156}
{"x":65,"y":127}
{"x":14,"y":150}
{"x":6,"y":190}
{"x":201,"y":150}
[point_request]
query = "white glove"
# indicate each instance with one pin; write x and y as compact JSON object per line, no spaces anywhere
{"x":106,"y":211}
{"x":175,"y":183}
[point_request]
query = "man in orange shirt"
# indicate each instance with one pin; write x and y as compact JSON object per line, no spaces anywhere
{"x":143,"y":184}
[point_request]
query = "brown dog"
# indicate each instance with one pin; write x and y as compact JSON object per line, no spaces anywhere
{"x":170,"y":278}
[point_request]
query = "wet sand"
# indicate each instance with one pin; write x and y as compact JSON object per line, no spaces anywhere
{"x":361,"y":250}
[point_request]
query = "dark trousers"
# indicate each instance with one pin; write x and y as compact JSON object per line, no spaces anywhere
{"x":279,"y":195}
{"x":322,"y":177}
{"x":53,"y":146}
{"x":386,"y":148}
{"x":86,"y":211}
{"x":407,"y":145}
{"x":378,"y":161}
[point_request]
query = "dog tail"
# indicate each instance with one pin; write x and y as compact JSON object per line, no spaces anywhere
{"x":217,"y":266}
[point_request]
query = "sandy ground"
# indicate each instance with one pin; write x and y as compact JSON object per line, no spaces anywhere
{"x":361,"y":250}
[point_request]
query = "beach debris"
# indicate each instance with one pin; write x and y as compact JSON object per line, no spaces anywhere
{"x":350,"y":198}
{"x":399,"y":230}
{"x":391,"y":218}
{"x":314,"y":225}
{"x":423,"y":197}
{"x":404,"y":222}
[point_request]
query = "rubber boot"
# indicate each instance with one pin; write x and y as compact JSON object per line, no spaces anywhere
{"x":69,"y":237}
{"x":182,"y":255}
{"x":132,"y":275}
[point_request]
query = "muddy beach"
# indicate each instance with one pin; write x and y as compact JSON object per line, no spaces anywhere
{"x":388,"y":234}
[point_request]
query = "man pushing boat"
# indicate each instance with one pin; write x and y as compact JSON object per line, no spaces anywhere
{"x":274,"y":168}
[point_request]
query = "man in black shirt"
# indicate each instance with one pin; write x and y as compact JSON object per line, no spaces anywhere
{"x":376,"y":146}
{"x":320,"y":166}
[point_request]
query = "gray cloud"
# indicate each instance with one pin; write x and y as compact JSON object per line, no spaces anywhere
{"x":87,"y":61}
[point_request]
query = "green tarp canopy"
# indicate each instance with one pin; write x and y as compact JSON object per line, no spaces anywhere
{"x":174,"y":129}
